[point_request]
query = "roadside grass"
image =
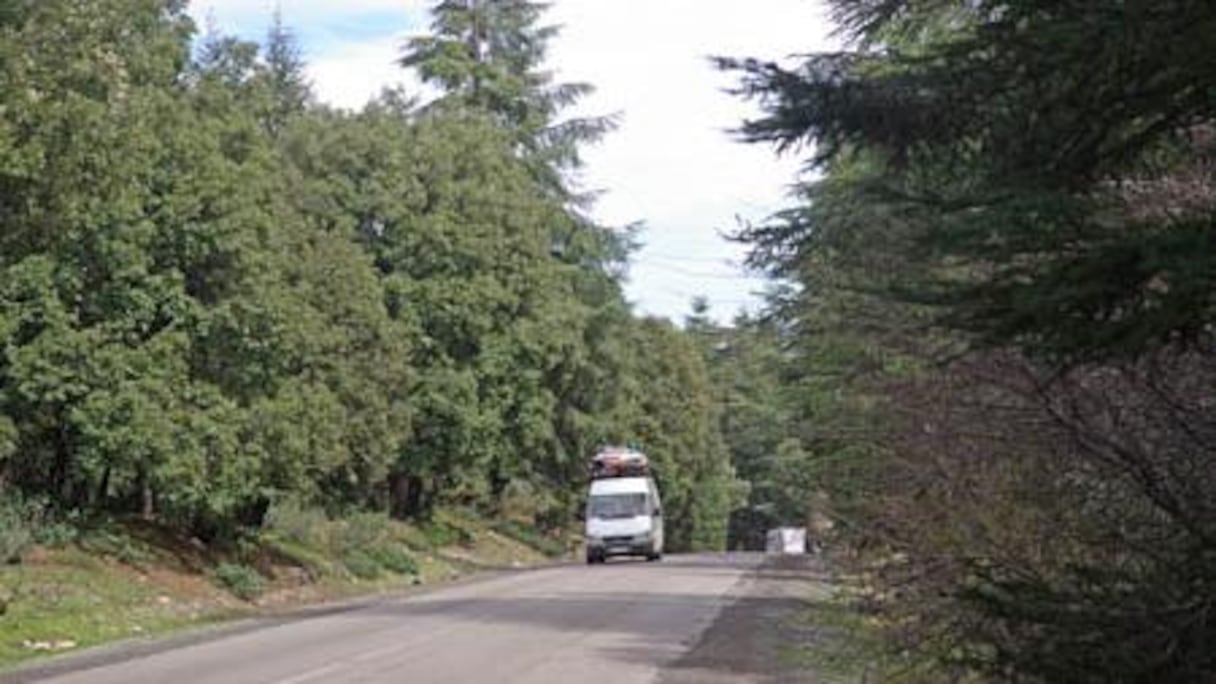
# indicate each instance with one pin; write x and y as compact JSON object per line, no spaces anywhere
{"x":130,"y":579}
{"x":66,"y":599}
{"x":848,"y":644}
{"x":844,"y":648}
{"x":530,"y":537}
{"x":491,"y":547}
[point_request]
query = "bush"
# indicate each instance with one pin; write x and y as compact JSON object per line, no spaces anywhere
{"x":395,"y":559}
{"x":17,"y":524}
{"x":530,"y":537}
{"x":243,"y":581}
{"x":364,"y":531}
{"x":445,"y":534}
{"x":56,"y":534}
{"x":1054,"y":526}
{"x":362,"y":564}
{"x":521,"y":500}
{"x":293,"y":523}
{"x":25,"y":521}
{"x":366,"y":544}
{"x":311,"y":560}
{"x":111,"y":540}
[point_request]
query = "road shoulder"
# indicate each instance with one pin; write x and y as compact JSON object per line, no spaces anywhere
{"x":135,"y":648}
{"x":758,"y":636}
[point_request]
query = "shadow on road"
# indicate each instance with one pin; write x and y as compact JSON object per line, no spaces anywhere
{"x":752,"y":635}
{"x":762,"y":636}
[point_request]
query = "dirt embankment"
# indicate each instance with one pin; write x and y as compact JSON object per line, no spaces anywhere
{"x":137,"y":581}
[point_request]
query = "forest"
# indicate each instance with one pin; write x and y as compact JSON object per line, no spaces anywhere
{"x":983,"y":373}
{"x":992,"y":358}
{"x":219,"y":295}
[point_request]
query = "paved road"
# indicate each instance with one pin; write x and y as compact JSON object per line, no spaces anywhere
{"x":620,"y":623}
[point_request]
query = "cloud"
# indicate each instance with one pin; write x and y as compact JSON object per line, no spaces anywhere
{"x":673,"y":162}
{"x":351,"y":74}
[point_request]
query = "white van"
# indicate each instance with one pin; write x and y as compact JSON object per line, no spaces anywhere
{"x":624,"y":518}
{"x":786,"y":540}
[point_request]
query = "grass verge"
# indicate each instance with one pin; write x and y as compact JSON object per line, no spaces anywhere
{"x":125,"y":580}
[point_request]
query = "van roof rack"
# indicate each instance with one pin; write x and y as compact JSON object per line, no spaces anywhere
{"x":619,"y":462}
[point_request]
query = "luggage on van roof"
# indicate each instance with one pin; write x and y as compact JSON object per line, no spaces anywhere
{"x":619,"y":462}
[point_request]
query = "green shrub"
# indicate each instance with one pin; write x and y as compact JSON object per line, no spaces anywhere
{"x":412,"y":537}
{"x":521,"y":500}
{"x":366,"y":544}
{"x":394,"y":558}
{"x":362,"y":565}
{"x":296,"y":553}
{"x":113,"y":541}
{"x":293,"y":523}
{"x":17,"y":524}
{"x":27,"y":521}
{"x":529,"y":537}
{"x":243,"y":581}
{"x":56,"y":534}
{"x":364,"y":531}
{"x":444,"y":534}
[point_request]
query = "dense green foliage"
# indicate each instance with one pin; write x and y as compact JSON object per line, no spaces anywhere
{"x":1040,"y":158}
{"x":995,"y":351}
{"x":217,"y":295}
{"x":987,"y":376}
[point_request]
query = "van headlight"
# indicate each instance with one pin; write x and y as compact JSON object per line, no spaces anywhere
{"x":641,"y":538}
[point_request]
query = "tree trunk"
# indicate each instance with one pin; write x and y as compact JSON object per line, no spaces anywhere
{"x":398,"y":496}
{"x":102,"y":492}
{"x":62,"y":473}
{"x":147,"y":498}
{"x":407,"y":496}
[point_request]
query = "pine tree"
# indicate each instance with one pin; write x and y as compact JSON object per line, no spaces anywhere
{"x":487,"y":57}
{"x":283,"y":74}
{"x":1034,"y":156}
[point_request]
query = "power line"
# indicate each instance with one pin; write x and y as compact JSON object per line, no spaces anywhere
{"x":675,"y":270}
{"x":643,"y":255}
{"x":757,"y":301}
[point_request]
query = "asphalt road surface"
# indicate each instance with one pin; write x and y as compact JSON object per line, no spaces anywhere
{"x":623,"y":622}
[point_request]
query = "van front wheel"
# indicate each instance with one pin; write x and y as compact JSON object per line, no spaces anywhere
{"x":654,"y":557}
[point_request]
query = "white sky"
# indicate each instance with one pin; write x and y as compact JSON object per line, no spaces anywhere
{"x":671,"y":164}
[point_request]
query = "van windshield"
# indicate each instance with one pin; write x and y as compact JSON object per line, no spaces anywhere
{"x":606,"y":506}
